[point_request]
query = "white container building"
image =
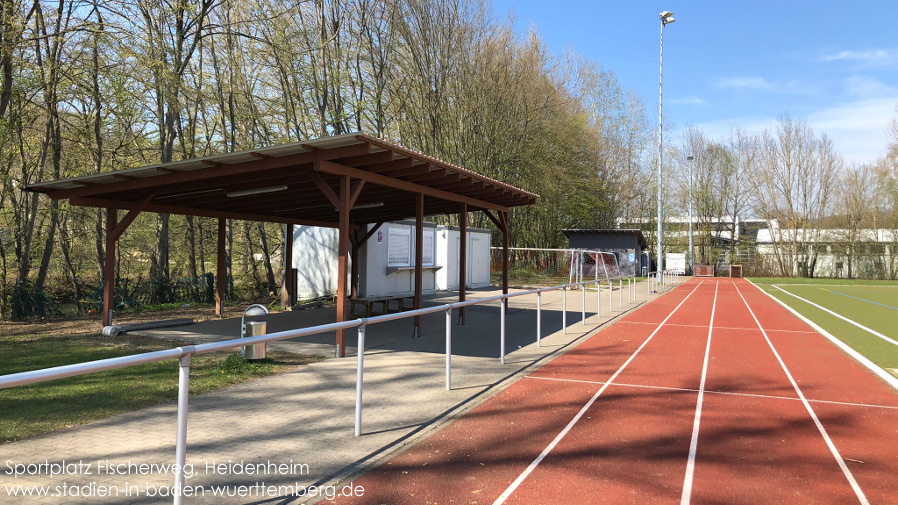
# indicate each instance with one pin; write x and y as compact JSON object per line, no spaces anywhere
{"x":386,"y":260}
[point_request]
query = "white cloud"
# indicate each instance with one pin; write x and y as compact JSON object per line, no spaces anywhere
{"x":857,"y":128}
{"x":868,"y":87}
{"x":689,"y":100}
{"x":869,"y":56}
{"x":744,"y":83}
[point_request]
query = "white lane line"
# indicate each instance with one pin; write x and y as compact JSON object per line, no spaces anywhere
{"x":712,"y":392}
{"x":517,"y":482}
{"x":829,"y":443}
{"x":718,"y":328}
{"x":843,"y":318}
{"x":693,"y":445}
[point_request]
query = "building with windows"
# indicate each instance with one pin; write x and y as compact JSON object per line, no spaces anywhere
{"x":828,"y":252}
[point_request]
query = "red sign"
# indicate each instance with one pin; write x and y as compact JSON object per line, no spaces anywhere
{"x":380,"y":237}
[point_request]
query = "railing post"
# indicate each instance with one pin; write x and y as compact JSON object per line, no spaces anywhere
{"x":598,"y":299}
{"x":620,"y":295}
{"x":502,"y":331}
{"x":181,"y":443}
{"x":360,"y":373}
{"x":539,"y":318}
{"x":610,"y":295}
{"x":583,"y":303}
{"x":449,"y":349}
{"x":564,"y":310}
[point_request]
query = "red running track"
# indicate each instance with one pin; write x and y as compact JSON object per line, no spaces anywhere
{"x":712,"y":394}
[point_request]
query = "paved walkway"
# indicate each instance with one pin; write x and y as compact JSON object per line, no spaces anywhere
{"x":304,"y":419}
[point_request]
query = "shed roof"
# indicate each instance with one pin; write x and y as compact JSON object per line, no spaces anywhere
{"x":598,"y":232}
{"x":295,"y":183}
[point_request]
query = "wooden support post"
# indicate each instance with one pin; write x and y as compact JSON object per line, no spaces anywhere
{"x":220,"y":268}
{"x":109,"y":265}
{"x":462,"y":258}
{"x":343,"y":261}
{"x":419,"y":257}
{"x":114,"y":230}
{"x":354,"y":259}
{"x":287,"y":287}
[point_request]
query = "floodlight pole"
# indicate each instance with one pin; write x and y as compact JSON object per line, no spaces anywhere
{"x":666,"y":17}
{"x":691,"y":253}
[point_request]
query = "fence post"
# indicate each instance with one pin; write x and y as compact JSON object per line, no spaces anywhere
{"x":502,"y":331}
{"x":181,"y":443}
{"x":360,"y":372}
{"x":564,"y":310}
{"x":620,"y":295}
{"x":449,"y":349}
{"x":583,"y":303}
{"x":610,"y":295}
{"x":539,"y":318}
{"x":598,"y":299}
{"x":580,"y":260}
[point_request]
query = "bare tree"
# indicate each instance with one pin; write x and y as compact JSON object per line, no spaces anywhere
{"x":794,"y":185}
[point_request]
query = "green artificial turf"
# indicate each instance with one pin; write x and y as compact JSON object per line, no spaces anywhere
{"x":837,"y":297}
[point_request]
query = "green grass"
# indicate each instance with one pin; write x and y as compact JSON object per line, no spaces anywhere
{"x":783,"y":281}
{"x":826,"y":293}
{"x":48,"y":406}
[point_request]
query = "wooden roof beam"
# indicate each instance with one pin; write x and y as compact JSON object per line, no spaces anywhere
{"x":367,"y":159}
{"x":410,"y":170}
{"x":389,"y":165}
{"x":336,"y":169}
{"x":188,"y":211}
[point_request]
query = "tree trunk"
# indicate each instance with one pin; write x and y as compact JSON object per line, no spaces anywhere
{"x":266,"y":255}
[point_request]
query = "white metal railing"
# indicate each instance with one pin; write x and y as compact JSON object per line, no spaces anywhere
{"x":668,"y":277}
{"x":185,"y":353}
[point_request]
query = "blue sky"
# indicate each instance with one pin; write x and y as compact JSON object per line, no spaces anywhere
{"x":729,"y":64}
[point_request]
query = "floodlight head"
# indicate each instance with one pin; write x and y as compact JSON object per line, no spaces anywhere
{"x":668,"y":20}
{"x":665,"y":15}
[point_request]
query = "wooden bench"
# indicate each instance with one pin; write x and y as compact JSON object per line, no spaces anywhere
{"x":370,"y":304}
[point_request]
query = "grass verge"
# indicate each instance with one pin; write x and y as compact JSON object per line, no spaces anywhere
{"x":49,"y":406}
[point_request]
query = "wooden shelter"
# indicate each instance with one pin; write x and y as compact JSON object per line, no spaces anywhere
{"x":342,"y":182}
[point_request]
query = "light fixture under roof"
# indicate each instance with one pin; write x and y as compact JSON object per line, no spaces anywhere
{"x":256,"y":191}
{"x":329,"y":206}
{"x":189,"y":193}
{"x":367,"y":205}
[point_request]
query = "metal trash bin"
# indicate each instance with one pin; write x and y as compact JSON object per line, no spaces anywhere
{"x":254,"y":329}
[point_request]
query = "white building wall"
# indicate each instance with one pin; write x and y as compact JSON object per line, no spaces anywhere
{"x":315,"y":252}
{"x":478,"y":259}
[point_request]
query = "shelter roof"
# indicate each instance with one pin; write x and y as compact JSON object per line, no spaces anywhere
{"x":295,"y":183}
